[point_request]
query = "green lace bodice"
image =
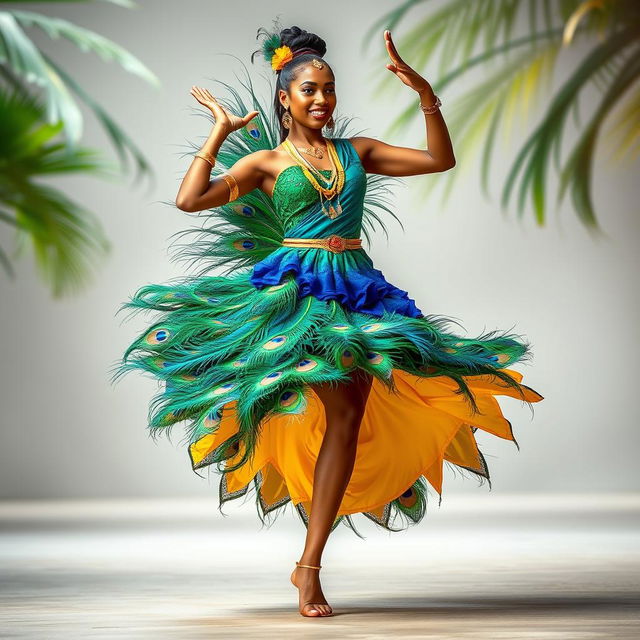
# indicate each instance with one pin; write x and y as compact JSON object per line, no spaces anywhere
{"x":293,"y":193}
{"x":303,"y":212}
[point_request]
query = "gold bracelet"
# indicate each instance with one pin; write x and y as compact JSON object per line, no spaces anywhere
{"x":206,"y":156}
{"x":232,"y":184}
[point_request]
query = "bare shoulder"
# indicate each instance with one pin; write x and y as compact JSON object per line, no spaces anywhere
{"x":362,"y":145}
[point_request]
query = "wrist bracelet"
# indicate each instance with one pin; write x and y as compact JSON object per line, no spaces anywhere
{"x":433,"y":108}
{"x":211,"y":159}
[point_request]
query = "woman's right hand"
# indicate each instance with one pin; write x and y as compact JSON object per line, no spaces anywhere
{"x":224,"y":120}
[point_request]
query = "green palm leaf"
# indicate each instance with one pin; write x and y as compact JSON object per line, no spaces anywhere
{"x":120,"y":139}
{"x":549,"y":133}
{"x":459,"y":28}
{"x":578,"y":170}
{"x":66,"y":238}
{"x":87,"y":40}
{"x":24,"y":58}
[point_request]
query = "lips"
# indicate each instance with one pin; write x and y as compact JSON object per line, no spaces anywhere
{"x":319,"y":115}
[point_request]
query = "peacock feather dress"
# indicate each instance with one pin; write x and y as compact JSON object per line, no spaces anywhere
{"x":235,"y":354}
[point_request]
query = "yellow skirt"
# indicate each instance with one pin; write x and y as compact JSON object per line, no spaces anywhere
{"x":404,"y":435}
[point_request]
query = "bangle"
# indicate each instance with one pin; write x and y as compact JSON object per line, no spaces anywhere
{"x":206,"y":156}
{"x":232,"y":184}
{"x":433,"y":108}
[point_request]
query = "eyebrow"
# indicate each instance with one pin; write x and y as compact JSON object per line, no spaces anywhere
{"x":315,"y":83}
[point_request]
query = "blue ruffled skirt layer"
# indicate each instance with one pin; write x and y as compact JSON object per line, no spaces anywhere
{"x":348,"y":277}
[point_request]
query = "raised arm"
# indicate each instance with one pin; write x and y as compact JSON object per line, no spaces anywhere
{"x":197,"y":191}
{"x":390,"y":160}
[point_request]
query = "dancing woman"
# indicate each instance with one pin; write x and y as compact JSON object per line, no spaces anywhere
{"x":311,"y":375}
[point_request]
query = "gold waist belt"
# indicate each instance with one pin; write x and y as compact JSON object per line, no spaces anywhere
{"x":334,"y":243}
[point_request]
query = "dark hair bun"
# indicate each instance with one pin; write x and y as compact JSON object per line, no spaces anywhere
{"x":296,"y":38}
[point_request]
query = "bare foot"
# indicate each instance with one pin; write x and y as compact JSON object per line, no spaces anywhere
{"x":307,"y":582}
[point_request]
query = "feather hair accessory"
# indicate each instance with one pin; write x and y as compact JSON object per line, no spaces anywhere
{"x":278,"y":54}
{"x":275,"y":52}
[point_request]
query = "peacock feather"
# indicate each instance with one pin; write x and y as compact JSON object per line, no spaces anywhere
{"x":239,"y":234}
{"x":219,"y":344}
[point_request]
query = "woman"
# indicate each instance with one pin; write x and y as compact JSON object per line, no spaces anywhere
{"x":311,"y":375}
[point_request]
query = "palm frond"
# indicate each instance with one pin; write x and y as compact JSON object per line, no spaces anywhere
{"x":459,"y":28}
{"x":87,"y":40}
{"x":577,"y":172}
{"x":23,"y":57}
{"x":66,"y":238}
{"x":120,"y":139}
{"x":19,"y":53}
{"x":549,"y":134}
{"x":625,"y":132}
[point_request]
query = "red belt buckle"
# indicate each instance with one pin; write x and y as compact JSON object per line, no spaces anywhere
{"x":336,"y":243}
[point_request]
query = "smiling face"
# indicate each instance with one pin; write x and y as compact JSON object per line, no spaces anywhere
{"x":312,"y":96}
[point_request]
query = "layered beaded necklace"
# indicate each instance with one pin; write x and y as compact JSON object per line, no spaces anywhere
{"x":334,"y":183}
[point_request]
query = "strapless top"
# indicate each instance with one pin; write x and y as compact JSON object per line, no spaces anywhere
{"x":349,"y":277}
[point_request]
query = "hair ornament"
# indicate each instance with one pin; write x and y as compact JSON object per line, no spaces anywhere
{"x":280,"y":57}
{"x":278,"y":54}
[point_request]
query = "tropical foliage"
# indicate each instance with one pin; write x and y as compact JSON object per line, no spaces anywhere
{"x":604,"y":38}
{"x":39,"y":137}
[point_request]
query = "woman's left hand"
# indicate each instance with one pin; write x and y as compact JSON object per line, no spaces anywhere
{"x":410,"y":77}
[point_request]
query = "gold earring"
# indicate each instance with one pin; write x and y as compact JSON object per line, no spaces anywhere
{"x":286,"y":120}
{"x":330,"y":123}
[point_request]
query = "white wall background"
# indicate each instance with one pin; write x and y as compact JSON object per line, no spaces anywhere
{"x":67,"y":433}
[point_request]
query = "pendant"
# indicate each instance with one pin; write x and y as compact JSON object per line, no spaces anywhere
{"x":333,"y":213}
{"x":316,"y":152}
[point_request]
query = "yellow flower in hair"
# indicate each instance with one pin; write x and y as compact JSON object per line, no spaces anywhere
{"x":280,"y":57}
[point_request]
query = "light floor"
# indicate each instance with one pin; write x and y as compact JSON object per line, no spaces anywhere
{"x":480,"y":566}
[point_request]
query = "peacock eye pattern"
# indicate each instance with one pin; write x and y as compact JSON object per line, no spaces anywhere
{"x":239,"y":355}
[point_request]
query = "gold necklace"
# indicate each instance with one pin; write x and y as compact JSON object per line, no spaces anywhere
{"x":318,"y":172}
{"x":296,"y":155}
{"x":334,"y":184}
{"x":330,"y":187}
{"x":316,"y":152}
